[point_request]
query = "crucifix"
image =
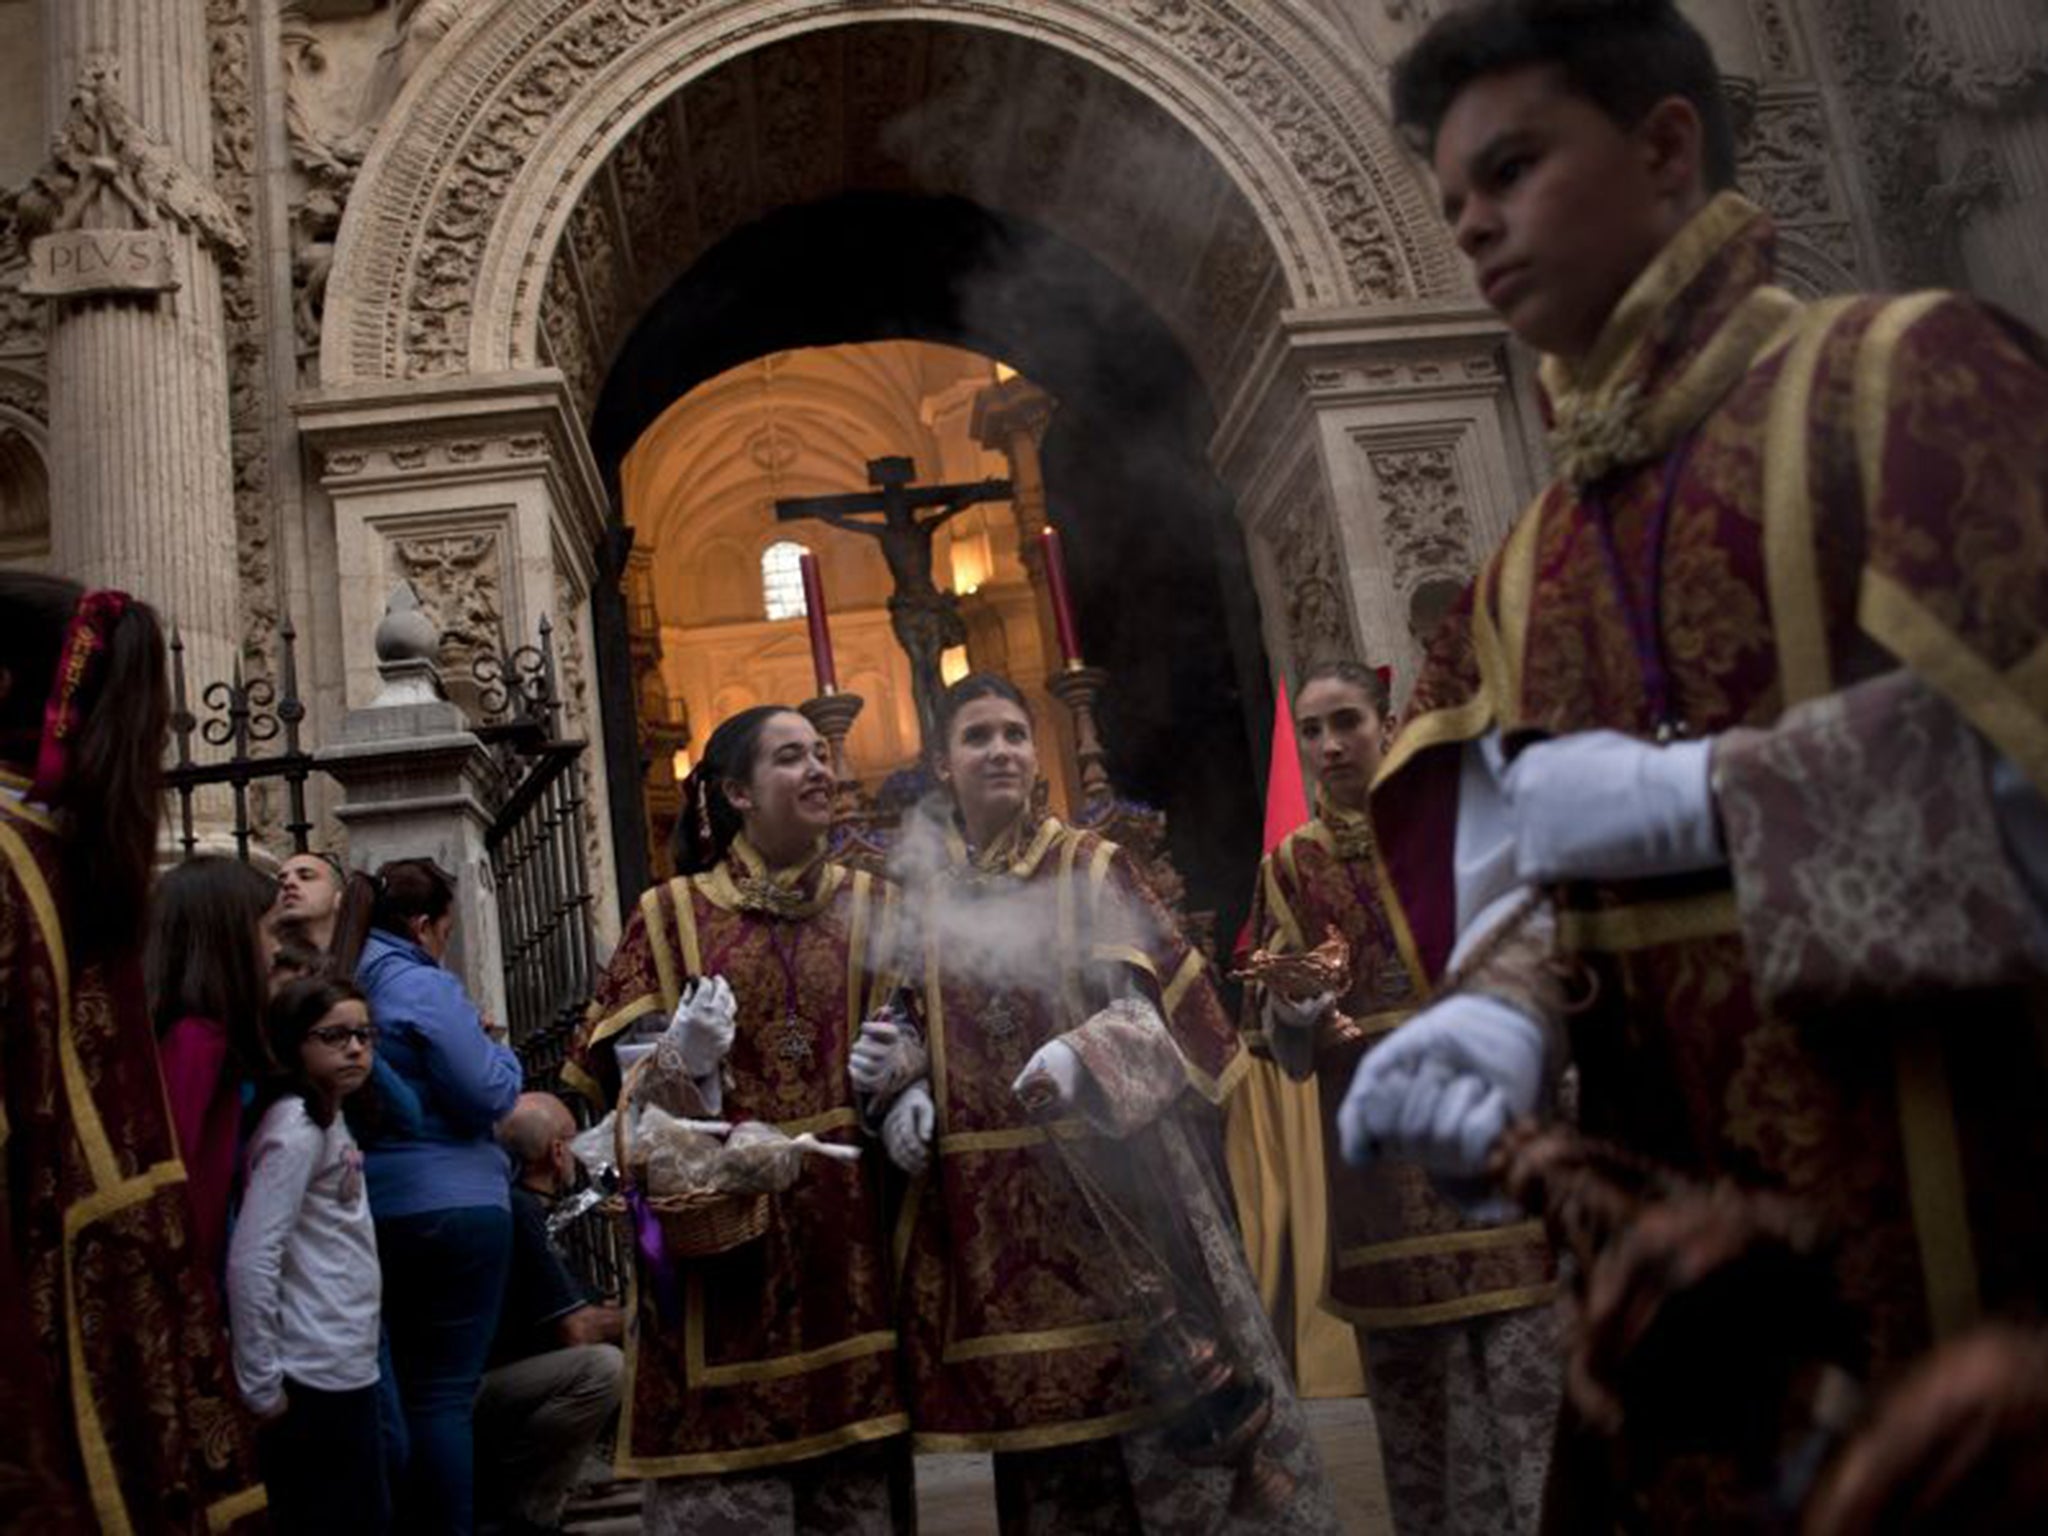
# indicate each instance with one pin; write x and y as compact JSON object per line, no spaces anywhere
{"x":902,"y":518}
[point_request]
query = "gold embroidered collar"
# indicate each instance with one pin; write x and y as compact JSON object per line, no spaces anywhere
{"x":1350,"y":832}
{"x":745,"y":882}
{"x":1693,"y":322}
{"x":1012,"y":854}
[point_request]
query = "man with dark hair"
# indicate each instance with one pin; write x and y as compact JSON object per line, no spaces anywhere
{"x":556,"y":1366}
{"x":1748,"y":716}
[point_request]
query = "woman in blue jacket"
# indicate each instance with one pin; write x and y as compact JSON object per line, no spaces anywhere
{"x":439,"y":1195}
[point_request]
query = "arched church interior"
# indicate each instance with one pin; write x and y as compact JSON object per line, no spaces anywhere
{"x":495,"y":395}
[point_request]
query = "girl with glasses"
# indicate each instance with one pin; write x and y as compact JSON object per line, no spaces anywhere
{"x":303,"y":1283}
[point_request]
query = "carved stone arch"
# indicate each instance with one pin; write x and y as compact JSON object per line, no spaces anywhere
{"x":1809,"y":271}
{"x":24,"y":467}
{"x":443,"y":255}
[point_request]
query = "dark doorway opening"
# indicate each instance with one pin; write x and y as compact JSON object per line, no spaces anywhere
{"x":1156,"y":555}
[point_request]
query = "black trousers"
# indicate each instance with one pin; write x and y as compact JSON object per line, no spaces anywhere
{"x":323,"y":1463}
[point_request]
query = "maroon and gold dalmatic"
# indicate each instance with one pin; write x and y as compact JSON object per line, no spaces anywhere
{"x":1802,"y":496}
{"x":1400,"y":1256}
{"x":784,"y":1348}
{"x":116,"y":1390}
{"x":1015,"y":1317}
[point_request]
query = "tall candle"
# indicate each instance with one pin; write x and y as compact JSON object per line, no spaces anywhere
{"x":814,"y":616}
{"x":1062,"y":601}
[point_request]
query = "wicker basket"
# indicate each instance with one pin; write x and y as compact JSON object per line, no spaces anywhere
{"x":696,"y":1224}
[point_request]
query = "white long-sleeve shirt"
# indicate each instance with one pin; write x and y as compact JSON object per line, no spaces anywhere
{"x":303,"y":1283}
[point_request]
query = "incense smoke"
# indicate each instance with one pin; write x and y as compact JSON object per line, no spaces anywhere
{"x":997,"y":933}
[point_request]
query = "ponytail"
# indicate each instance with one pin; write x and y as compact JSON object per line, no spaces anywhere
{"x":709,"y":821}
{"x":96,"y":747}
{"x":400,"y":891}
{"x":351,"y":923}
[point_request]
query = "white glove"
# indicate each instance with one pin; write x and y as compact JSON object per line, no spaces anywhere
{"x":907,"y":1131}
{"x":1599,"y":805}
{"x":886,"y":1055}
{"x":701,"y":1030}
{"x":1442,"y":1087}
{"x":1058,"y":1063}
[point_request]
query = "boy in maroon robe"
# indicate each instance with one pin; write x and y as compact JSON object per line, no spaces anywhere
{"x":1748,"y":717}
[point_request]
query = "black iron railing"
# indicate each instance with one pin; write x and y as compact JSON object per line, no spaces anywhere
{"x":546,"y":914}
{"x":242,"y":714}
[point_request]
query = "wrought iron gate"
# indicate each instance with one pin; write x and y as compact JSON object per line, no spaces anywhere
{"x":546,"y":913}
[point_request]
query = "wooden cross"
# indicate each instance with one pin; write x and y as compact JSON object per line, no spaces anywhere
{"x":902,"y":518}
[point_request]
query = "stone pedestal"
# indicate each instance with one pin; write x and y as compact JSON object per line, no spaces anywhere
{"x":139,"y":458}
{"x":415,"y":784}
{"x":482,"y":493}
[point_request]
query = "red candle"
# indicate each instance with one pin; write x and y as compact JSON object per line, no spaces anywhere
{"x":814,"y":616}
{"x":1062,"y":602}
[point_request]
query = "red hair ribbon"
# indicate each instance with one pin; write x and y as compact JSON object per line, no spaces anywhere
{"x":86,"y":639}
{"x":1386,"y":677}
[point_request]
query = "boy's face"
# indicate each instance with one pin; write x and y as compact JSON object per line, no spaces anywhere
{"x":1557,"y":207}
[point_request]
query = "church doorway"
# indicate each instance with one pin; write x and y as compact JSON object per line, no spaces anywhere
{"x":1188,"y":225}
{"x":825,"y":335}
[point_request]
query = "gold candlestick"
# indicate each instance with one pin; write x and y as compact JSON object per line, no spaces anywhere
{"x":833,"y":715}
{"x":1078,"y":687}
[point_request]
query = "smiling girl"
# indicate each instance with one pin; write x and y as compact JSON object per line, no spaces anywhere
{"x":1060,"y":999}
{"x":762,"y":1391}
{"x":303,"y":1284}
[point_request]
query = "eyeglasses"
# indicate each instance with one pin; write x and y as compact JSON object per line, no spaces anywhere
{"x":338,"y":1035}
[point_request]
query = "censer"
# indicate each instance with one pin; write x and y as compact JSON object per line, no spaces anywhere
{"x":1221,"y":1410}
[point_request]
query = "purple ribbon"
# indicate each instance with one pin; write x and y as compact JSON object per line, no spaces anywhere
{"x":661,"y":1269}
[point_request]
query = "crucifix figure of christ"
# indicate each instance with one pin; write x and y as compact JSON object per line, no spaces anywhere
{"x":902,"y":518}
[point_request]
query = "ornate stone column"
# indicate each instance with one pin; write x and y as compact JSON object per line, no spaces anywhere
{"x":1380,"y":455}
{"x":139,"y":459}
{"x":415,"y":784}
{"x":1010,"y":418}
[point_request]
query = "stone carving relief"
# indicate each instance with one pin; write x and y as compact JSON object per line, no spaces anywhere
{"x":1349,"y":185}
{"x":941,"y":110}
{"x":1985,"y":81}
{"x":422,"y":243}
{"x":566,"y":336}
{"x":1900,"y":88}
{"x":460,"y":579}
{"x":416,"y":26}
{"x":326,"y":159}
{"x":1789,"y":165}
{"x":245,"y":318}
{"x":106,"y":171}
{"x":1423,"y":518}
{"x":1311,"y":574}
{"x":579,"y":720}
{"x":24,"y":321}
{"x":22,"y":389}
{"x":1777,"y":39}
{"x":24,"y":494}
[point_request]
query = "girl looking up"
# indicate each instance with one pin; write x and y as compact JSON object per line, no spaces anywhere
{"x":1052,"y":976}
